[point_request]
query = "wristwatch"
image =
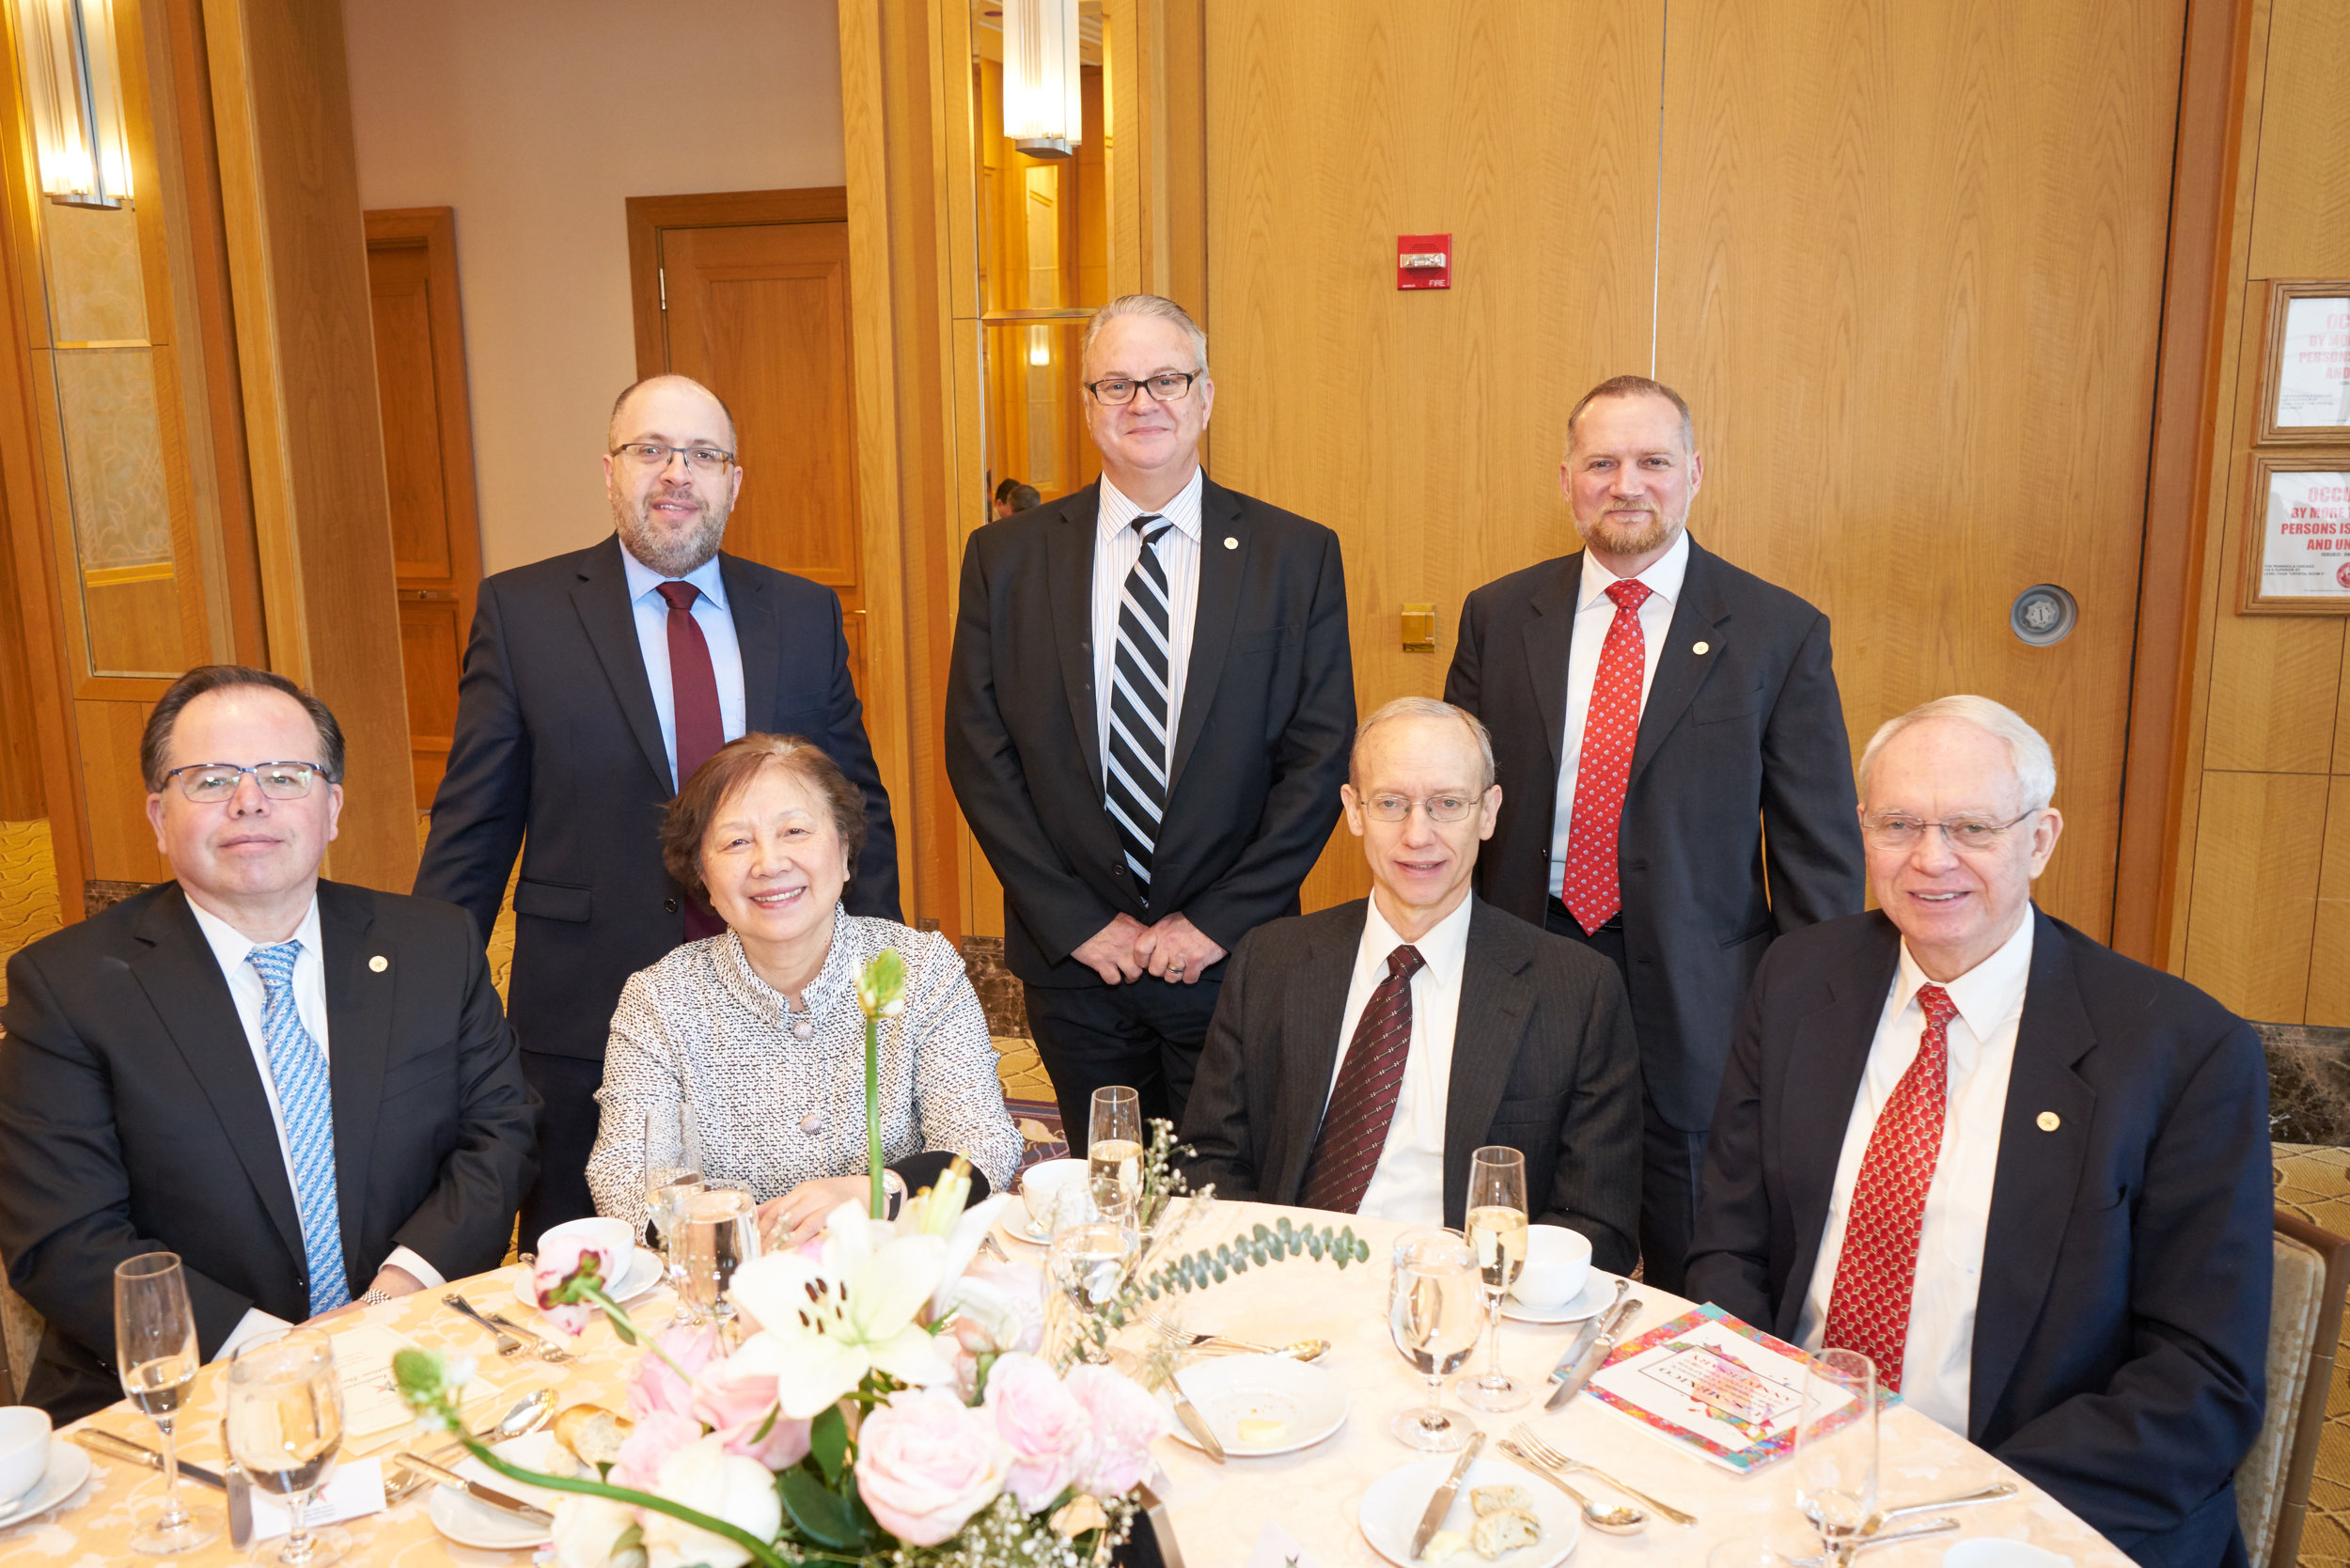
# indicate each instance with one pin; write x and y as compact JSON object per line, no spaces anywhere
{"x":372,"y":1297}
{"x":895,"y":1185}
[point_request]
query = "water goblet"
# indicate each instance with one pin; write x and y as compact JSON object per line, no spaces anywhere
{"x":1433,"y":1314}
{"x":1836,"y":1448}
{"x":285,"y":1426}
{"x":714,"y":1231}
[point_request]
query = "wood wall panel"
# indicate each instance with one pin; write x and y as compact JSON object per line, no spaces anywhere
{"x":2342,"y":712}
{"x":121,"y":842}
{"x":2280,"y":673}
{"x":2329,"y":945}
{"x":2303,"y":227}
{"x":2255,"y":891}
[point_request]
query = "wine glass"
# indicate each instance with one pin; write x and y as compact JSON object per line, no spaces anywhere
{"x":155,"y":1347}
{"x":1836,"y":1448}
{"x":673,"y":1168}
{"x":1113,"y":1149}
{"x":715,"y":1231}
{"x":1434,"y":1313}
{"x":285,"y":1426}
{"x":1497,"y":1237}
{"x":1092,"y":1251}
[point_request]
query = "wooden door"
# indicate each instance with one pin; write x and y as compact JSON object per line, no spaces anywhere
{"x":428,"y":461}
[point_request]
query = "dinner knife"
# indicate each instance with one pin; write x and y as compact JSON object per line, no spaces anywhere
{"x":98,"y":1441}
{"x":1590,"y":1331}
{"x":474,"y":1489}
{"x":1197,"y":1422}
{"x":1572,"y":1383}
{"x":1441,"y":1504}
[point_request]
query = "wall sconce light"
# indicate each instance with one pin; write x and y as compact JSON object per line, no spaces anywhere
{"x":74,"y":87}
{"x":1044,"y":103}
{"x":1040,"y":345}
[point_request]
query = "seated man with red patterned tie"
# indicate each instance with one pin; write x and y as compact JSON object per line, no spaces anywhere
{"x":1359,"y":1054}
{"x":2025,"y":1176}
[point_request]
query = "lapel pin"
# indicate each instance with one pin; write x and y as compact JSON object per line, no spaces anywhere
{"x":1231,"y":544}
{"x":379,"y":964}
{"x":1702,"y":648}
{"x":2050,"y":1122}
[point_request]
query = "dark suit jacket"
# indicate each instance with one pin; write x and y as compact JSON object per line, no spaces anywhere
{"x":2123,"y":1325}
{"x":133,"y":1118}
{"x":1260,"y":747}
{"x":1742,"y":759}
{"x":1543,"y":1061}
{"x":558,"y":754}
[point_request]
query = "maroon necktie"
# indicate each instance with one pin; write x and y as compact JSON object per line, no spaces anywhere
{"x":693,"y":705}
{"x":1604,"y":771}
{"x":1362,"y":1105}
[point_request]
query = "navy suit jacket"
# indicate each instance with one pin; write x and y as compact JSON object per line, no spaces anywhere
{"x":2122,"y":1329}
{"x":558,"y":754}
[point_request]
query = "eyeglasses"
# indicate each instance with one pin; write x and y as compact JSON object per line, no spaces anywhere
{"x":1440,"y":809}
{"x":1167,"y":387}
{"x":1962,"y":834}
{"x":209,"y":783}
{"x":647,"y":454}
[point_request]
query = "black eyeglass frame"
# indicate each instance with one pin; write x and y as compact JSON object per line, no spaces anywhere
{"x":1093,"y":388}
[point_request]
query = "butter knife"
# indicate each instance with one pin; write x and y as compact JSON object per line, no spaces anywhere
{"x":1195,"y":1421}
{"x":98,"y":1441}
{"x":1441,"y":1504}
{"x":475,"y":1490}
{"x":1572,"y":1383}
{"x":1590,"y":1331}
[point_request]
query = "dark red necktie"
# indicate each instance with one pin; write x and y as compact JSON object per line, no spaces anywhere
{"x":1611,"y":727}
{"x":1362,"y":1105}
{"x":693,"y":706}
{"x":1869,"y":1309}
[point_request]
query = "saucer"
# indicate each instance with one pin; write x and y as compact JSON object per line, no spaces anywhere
{"x":69,"y":1467}
{"x":1598,"y":1291}
{"x":643,"y":1273}
{"x":1020,"y":1232}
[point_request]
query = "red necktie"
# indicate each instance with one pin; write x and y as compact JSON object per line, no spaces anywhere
{"x":1869,"y":1309}
{"x":1362,"y":1105}
{"x":1604,"y":771}
{"x":694,"y":704}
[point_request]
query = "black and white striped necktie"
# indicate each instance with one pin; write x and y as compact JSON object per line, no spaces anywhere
{"x":1135,"y":772}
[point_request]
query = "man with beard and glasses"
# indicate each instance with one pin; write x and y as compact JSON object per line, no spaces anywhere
{"x":1677,"y":787}
{"x":595,"y":683}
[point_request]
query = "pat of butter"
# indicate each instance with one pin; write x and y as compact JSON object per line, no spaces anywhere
{"x":1445,"y":1543}
{"x":1258,"y":1432}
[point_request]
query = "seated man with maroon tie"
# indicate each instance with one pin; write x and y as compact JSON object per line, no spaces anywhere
{"x":2025,"y":1175}
{"x":1360,"y":1054}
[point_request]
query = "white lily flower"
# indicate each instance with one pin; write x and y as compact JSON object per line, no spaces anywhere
{"x":963,"y":1245}
{"x":825,"y":1325}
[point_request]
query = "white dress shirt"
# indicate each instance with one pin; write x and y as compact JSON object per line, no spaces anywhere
{"x":230,"y":947}
{"x":1937,"y":1362}
{"x":1594,"y":612}
{"x":717,"y":620}
{"x":1116,"y":548}
{"x":1408,"y":1183}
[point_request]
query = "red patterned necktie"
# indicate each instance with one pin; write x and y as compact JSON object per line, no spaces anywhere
{"x":1604,"y":771}
{"x":694,"y":704}
{"x":1869,"y":1309}
{"x":1362,"y":1105}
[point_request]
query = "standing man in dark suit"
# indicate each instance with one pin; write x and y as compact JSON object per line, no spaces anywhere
{"x":595,"y":683}
{"x":1147,"y":724}
{"x":1359,"y":1054}
{"x":2027,"y":1177}
{"x":1676,"y":779}
{"x":303,"y":1088}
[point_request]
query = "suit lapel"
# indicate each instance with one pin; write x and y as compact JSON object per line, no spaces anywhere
{"x":1496,"y":999}
{"x":600,"y":597}
{"x":1700,"y":617}
{"x":1549,"y":642}
{"x":1313,"y":1006}
{"x":759,"y":636}
{"x":1069,"y":573}
{"x":184,"y":985}
{"x":2039,"y":1176}
{"x":1220,"y":573}
{"x":358,"y":1040}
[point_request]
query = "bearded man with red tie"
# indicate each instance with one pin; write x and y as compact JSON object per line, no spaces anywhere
{"x":1359,"y":1054}
{"x":2025,"y":1176}
{"x":595,"y":683}
{"x":1676,"y":777}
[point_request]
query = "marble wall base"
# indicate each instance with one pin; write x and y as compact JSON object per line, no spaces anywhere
{"x":2309,"y":1083}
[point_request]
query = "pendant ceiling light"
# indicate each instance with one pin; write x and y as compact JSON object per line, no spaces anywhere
{"x":74,"y":87}
{"x":1044,"y":106}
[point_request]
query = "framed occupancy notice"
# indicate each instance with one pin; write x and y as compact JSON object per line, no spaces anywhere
{"x":2296,"y":536}
{"x":2305,"y":387}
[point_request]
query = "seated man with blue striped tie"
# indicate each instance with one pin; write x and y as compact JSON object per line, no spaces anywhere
{"x":306,"y":1089}
{"x":1360,"y":1055}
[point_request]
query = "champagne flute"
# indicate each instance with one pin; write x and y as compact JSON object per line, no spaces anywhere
{"x":1497,"y":1237}
{"x":1836,"y":1448}
{"x":1113,"y":1149}
{"x":285,"y":1426}
{"x":155,"y":1347}
{"x":1433,"y":1312}
{"x":673,"y":1168}
{"x":715,"y":1231}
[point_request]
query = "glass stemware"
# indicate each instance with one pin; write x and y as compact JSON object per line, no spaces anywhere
{"x":714,"y":1231}
{"x":285,"y":1426}
{"x":1434,"y":1315}
{"x":1094,"y":1248}
{"x":1495,"y":1233}
{"x":1836,"y":1448}
{"x":1113,"y":1149}
{"x":155,"y":1347}
{"x":673,"y":1168}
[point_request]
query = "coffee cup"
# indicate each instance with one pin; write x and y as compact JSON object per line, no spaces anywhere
{"x":1042,"y":1186}
{"x":1557,"y":1261}
{"x":24,"y":1449}
{"x":609,"y":1236}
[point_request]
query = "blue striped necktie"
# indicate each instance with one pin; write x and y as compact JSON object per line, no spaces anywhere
{"x":305,"y":1099}
{"x":1133,"y":775}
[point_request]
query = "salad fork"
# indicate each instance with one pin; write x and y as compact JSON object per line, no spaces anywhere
{"x":1543,"y":1453}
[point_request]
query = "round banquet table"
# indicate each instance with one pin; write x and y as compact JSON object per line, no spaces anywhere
{"x":1217,"y":1510}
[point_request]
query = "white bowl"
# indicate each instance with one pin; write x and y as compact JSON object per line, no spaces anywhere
{"x":612,"y":1235}
{"x":1040,"y":1187}
{"x":1557,"y":1261}
{"x":24,"y":1449}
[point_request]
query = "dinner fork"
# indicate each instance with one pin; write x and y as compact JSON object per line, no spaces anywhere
{"x":1544,"y":1455}
{"x":548,"y":1350}
{"x":1304,"y":1350}
{"x":508,"y":1346}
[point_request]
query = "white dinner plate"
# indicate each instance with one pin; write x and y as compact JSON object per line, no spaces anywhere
{"x":470,"y":1522}
{"x":643,"y":1274}
{"x":69,"y":1467}
{"x":1391,"y":1509}
{"x":1597,"y":1291}
{"x":1308,"y":1402}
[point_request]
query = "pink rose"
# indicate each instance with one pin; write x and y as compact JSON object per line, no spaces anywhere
{"x":657,"y":1385}
{"x":563,"y":1260}
{"x":1126,"y":1422}
{"x":737,"y":1405}
{"x":1044,"y":1426}
{"x":927,"y":1462}
{"x":649,"y":1446}
{"x":998,"y":1307}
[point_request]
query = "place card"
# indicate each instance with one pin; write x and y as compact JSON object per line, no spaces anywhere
{"x":1277,"y":1549}
{"x":353,"y":1490}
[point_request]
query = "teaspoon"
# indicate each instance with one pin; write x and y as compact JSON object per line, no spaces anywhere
{"x":1625,"y":1520}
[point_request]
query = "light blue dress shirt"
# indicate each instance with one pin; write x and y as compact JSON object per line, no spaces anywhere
{"x":652,"y":635}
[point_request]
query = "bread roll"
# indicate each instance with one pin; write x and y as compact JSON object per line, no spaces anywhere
{"x":1505,"y":1530}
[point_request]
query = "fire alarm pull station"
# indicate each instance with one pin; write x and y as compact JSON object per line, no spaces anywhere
{"x":1423,"y":261}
